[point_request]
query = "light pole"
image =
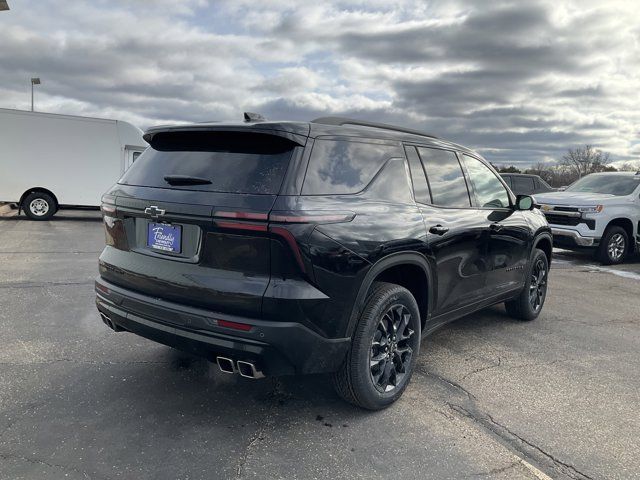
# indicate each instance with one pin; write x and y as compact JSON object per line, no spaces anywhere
{"x":34,"y":81}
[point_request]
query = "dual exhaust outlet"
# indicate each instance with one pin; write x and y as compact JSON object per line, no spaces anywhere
{"x":226,"y":365}
{"x":109,"y":323}
{"x":245,"y":369}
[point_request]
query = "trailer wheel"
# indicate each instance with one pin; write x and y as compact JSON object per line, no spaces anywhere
{"x":39,"y":206}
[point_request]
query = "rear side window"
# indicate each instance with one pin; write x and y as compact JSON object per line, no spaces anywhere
{"x":448,"y":186}
{"x":338,"y":167}
{"x":523,"y":185}
{"x":233,"y":162}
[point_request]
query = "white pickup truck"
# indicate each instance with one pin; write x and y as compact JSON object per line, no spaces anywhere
{"x":601,"y":211}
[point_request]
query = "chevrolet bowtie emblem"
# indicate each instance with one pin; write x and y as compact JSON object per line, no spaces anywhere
{"x":154,"y":212}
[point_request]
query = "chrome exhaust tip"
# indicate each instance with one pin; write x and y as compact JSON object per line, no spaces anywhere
{"x":106,"y":320}
{"x":249,"y":370}
{"x":109,"y":323}
{"x":225,"y":365}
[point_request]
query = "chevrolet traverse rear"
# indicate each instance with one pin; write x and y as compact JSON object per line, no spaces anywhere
{"x":277,"y":248}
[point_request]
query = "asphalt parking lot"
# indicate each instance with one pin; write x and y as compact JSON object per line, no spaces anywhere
{"x":491,"y":398}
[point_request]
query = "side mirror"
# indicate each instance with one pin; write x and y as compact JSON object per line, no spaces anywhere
{"x":525,"y":202}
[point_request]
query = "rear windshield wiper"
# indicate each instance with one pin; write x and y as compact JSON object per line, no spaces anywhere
{"x":186,"y":180}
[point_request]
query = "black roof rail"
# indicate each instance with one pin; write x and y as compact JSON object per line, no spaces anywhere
{"x":340,"y":121}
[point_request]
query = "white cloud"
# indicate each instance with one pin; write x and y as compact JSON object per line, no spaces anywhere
{"x":521,"y":82}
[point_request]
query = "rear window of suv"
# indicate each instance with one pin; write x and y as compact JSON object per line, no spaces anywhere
{"x":234,"y":162}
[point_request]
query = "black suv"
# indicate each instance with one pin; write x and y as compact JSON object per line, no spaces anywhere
{"x":335,"y":245}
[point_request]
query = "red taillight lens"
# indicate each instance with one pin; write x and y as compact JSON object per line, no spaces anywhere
{"x":242,"y":215}
{"x":234,"y":325}
{"x":257,"y":222}
{"x":242,"y":226}
{"x":311,"y":217}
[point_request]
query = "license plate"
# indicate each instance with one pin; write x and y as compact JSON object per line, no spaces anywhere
{"x":165,"y":237}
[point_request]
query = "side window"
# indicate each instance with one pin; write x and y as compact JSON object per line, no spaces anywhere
{"x":339,"y":167}
{"x":541,"y":185}
{"x":420,"y":187}
{"x":445,"y":177}
{"x":392,"y":183}
{"x":507,"y":180}
{"x":523,"y":185}
{"x":488,"y":189}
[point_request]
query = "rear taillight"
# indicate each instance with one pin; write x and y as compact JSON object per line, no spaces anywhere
{"x":223,"y":217}
{"x":311,"y":217}
{"x":275,"y":222}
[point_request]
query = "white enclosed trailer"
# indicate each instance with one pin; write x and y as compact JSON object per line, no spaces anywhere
{"x":50,"y":161}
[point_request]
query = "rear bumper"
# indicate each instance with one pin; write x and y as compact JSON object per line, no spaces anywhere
{"x":277,"y":348}
{"x":563,"y":237}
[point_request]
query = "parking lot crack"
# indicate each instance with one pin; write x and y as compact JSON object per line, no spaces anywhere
{"x":482,"y":369}
{"x":275,"y":399}
{"x":448,"y":382}
{"x":518,"y":442}
{"x":36,"y":461}
{"x":494,"y":471}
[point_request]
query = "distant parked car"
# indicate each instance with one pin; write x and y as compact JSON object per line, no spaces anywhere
{"x":600,"y":211}
{"x":524,"y":184}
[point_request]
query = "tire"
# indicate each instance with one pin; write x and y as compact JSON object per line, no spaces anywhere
{"x":39,"y":206}
{"x":361,"y":382}
{"x":614,"y":246}
{"x":525,"y":306}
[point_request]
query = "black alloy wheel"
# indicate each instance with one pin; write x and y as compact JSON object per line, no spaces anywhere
{"x":391,"y":351}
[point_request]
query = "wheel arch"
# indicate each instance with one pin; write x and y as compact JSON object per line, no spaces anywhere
{"x":34,"y":190}
{"x":627,"y":225}
{"x":408,"y":269}
{"x":544,"y":242}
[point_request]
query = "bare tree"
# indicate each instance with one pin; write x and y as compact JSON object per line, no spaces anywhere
{"x":543,"y":170}
{"x":629,"y":167}
{"x":585,"y":160}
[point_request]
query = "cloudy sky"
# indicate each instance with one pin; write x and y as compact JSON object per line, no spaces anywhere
{"x":519,"y":81}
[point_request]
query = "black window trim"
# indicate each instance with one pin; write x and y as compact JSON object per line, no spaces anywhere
{"x":413,"y":187}
{"x":464,"y":174}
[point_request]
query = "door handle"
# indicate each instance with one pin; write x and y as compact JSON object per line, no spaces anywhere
{"x":496,"y":227}
{"x":438,"y":230}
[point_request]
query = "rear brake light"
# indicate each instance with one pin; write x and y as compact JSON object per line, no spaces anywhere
{"x":253,"y":221}
{"x":242,"y":215}
{"x":235,"y":325}
{"x":242,"y":226}
{"x":311,"y":217}
{"x":285,"y":217}
{"x":291,"y":241}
